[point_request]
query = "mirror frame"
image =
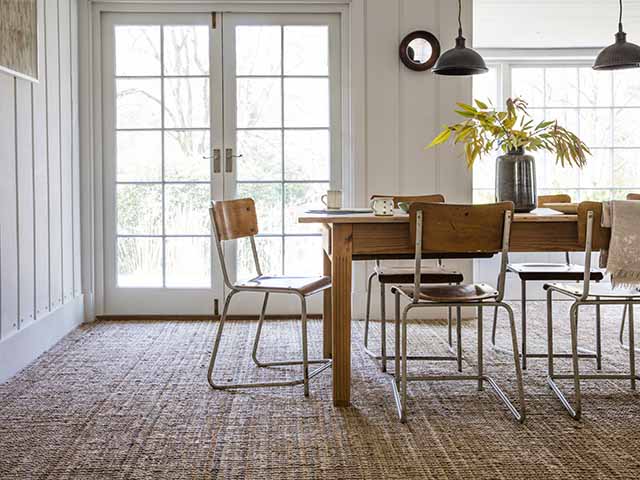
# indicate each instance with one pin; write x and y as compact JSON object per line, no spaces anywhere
{"x":435,"y":50}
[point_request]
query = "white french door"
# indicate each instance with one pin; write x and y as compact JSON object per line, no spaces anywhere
{"x":247,"y":105}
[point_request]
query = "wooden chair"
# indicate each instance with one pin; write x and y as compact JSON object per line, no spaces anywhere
{"x":462,"y":229}
{"x":549,"y":272}
{"x":399,"y":275}
{"x":235,"y":219}
{"x":593,"y":237}
{"x":630,"y":196}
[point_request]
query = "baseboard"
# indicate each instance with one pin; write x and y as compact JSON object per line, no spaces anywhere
{"x":27,"y":344}
{"x":144,"y":317}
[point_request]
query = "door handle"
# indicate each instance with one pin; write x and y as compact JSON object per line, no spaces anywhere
{"x":228,"y":160}
{"x":216,"y":160}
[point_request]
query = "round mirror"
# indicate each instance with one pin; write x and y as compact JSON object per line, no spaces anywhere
{"x":419,"y":50}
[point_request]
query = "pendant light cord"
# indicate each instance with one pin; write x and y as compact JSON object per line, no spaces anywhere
{"x":620,"y":18}
{"x":460,"y":17}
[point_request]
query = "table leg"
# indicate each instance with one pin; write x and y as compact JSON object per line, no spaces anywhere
{"x":341,"y":246}
{"x":327,"y":342}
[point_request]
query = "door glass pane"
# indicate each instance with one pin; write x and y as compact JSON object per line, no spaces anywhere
{"x":306,"y":102}
{"x":303,"y":255}
{"x":139,"y":209}
{"x":186,"y":209}
{"x":188,"y":262}
{"x":139,"y":156}
{"x":186,"y":50}
{"x":183,"y":155}
{"x":269,"y":253}
{"x":138,"y":103}
{"x":261,"y":154}
{"x":268,"y":199}
{"x":258,"y":103}
{"x":137,"y":50}
{"x":186,"y":102}
{"x":306,"y":154}
{"x":139,"y":262}
{"x":298,"y":198}
{"x":306,"y":50}
{"x":258,"y":50}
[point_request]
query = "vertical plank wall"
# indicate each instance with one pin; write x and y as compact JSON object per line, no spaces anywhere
{"x":39,"y":182}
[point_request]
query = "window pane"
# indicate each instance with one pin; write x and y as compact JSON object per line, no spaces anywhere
{"x":298,"y":198}
{"x":188,"y":262}
{"x":561,"y":178}
{"x":138,"y":103}
{"x":566,"y":117}
{"x":137,"y":50}
{"x":561,"y":87}
{"x":527,"y":83}
{"x":303,"y":255}
{"x":626,"y":168}
{"x":261,"y":154}
{"x":268,"y":198}
{"x":626,"y":88}
{"x":139,"y":209}
{"x":139,"y":262}
{"x":186,"y":102}
{"x":306,"y":50}
{"x":485,"y":87}
{"x":306,"y":154}
{"x":186,"y":209}
{"x":595,"y":127}
{"x":595,"y":88}
{"x":183,"y":155}
{"x":598,"y":171}
{"x":625,"y":127}
{"x":306,"y":102}
{"x":484,"y":171}
{"x":258,"y":50}
{"x":186,"y":50}
{"x":139,"y":156}
{"x":258,"y":103}
{"x":269,"y":253}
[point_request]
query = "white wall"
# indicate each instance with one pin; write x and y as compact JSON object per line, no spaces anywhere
{"x":406,"y":109}
{"x":39,"y":195}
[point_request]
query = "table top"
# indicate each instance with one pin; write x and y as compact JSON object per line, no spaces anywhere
{"x":537,"y":216}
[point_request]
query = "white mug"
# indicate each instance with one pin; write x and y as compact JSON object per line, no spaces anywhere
{"x":332,"y":199}
{"x":382,"y":206}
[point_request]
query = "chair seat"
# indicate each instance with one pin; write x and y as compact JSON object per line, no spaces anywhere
{"x":552,"y":271}
{"x":604,"y":290}
{"x":473,"y":292}
{"x":303,"y":285}
{"x":388,"y":274}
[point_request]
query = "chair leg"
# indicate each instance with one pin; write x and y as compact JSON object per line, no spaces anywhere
{"x":256,"y":341}
{"x":216,"y":343}
{"x":368,"y":311}
{"x":459,"y":337}
{"x":403,"y":386}
{"x":450,"y":328}
{"x":524,"y":324}
{"x":550,"y":333}
{"x":397,"y":339}
{"x":480,"y":350}
{"x":621,"y":336}
{"x":305,"y":352}
{"x":383,"y":329}
{"x":494,"y":326}
{"x":632,"y":349}
{"x":520,"y":416}
{"x":598,"y":337}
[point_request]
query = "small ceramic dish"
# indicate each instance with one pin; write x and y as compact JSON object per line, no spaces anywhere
{"x":404,"y":206}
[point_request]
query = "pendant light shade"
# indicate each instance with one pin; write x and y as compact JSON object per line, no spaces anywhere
{"x":621,"y":54}
{"x":460,"y":60}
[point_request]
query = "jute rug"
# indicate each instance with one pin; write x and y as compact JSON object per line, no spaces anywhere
{"x":130,"y":400}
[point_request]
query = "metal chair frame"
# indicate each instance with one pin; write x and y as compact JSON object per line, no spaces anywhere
{"x":383,"y":357}
{"x":583,"y":299}
{"x":400,"y":378}
{"x":621,"y":336}
{"x":233,"y":290}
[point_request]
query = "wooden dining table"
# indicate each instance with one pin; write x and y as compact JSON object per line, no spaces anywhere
{"x":363,"y":236}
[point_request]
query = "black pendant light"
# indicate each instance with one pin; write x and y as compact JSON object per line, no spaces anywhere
{"x":460,"y":60}
{"x":621,"y":54}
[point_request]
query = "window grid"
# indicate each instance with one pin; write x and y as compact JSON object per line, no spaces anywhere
{"x":504,"y":87}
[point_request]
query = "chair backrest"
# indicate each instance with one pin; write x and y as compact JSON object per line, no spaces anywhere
{"x":557,"y":198}
{"x":600,"y":236}
{"x":633,"y":196}
{"x":460,"y":228}
{"x":435,"y":198}
{"x":234,"y":219}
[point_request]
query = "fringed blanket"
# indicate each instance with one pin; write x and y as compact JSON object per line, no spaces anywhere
{"x":623,"y":257}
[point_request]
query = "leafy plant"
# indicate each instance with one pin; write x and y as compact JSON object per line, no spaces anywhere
{"x":485,"y":128}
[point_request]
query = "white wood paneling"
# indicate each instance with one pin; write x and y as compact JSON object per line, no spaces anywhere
{"x":75,"y":150}
{"x":24,"y":166}
{"x":53,"y":151}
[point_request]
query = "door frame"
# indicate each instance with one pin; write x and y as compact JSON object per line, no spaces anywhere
{"x":353,"y":94}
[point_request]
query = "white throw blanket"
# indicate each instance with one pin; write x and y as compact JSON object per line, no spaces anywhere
{"x":623,"y":257}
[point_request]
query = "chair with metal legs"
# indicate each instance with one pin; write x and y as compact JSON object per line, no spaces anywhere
{"x":404,"y":275}
{"x":462,"y":229}
{"x":593,"y":236}
{"x":548,"y":272}
{"x":236,"y":219}
{"x":630,"y":196}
